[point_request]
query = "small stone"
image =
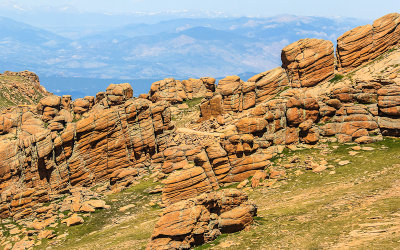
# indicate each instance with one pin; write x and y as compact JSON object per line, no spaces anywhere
{"x":367,"y":148}
{"x":342,"y":163}
{"x":46,"y":234}
{"x":75,"y":219}
{"x":352,"y":153}
{"x":319,"y":169}
{"x":298,"y":172}
{"x":124,"y":208}
{"x":243,"y":184}
{"x":15,"y":231}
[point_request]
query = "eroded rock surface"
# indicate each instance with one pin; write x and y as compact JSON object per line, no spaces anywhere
{"x":308,"y":61}
{"x":202,"y":219}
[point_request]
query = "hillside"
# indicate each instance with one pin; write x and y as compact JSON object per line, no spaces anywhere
{"x":304,"y":155}
{"x":20,"y":88}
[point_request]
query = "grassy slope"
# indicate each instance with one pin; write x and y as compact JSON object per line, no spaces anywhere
{"x":356,"y":205}
{"x":353,"y":205}
{"x":112,"y":229}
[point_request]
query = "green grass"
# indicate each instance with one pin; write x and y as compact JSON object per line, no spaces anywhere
{"x":336,"y":78}
{"x":109,"y":228}
{"x":194,"y":102}
{"x":318,"y":210}
{"x":309,"y":211}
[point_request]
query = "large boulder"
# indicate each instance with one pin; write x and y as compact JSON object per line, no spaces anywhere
{"x":118,"y":93}
{"x":364,"y":43}
{"x":196,"y":221}
{"x":269,"y":84}
{"x":386,"y":33}
{"x":308,"y":61}
{"x":354,"y":48}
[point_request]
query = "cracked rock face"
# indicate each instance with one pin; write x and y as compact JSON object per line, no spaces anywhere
{"x":175,"y":91}
{"x":308,"y":61}
{"x":111,"y":143}
{"x":201,"y":219}
{"x":364,"y":43}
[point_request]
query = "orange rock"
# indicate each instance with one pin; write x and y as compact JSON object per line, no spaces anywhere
{"x":308,"y":62}
{"x":201,"y":219}
{"x":269,"y":84}
{"x":354,"y":48}
{"x":251,"y":125}
{"x":75,"y":219}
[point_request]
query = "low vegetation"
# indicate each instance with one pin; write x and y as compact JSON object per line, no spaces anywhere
{"x":355,"y":204}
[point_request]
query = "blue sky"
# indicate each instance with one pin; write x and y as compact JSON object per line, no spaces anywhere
{"x":367,"y":9}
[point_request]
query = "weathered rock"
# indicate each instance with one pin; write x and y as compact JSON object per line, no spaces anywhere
{"x":386,"y":33}
{"x":364,"y":43}
{"x":66,"y":101}
{"x":75,"y":219}
{"x":174,"y":91}
{"x":269,"y":84}
{"x":236,"y":94}
{"x":308,"y":62}
{"x":108,"y":144}
{"x":118,"y":93}
{"x":354,"y":48}
{"x":251,"y":125}
{"x":201,"y":219}
{"x":258,"y":177}
{"x":211,"y":108}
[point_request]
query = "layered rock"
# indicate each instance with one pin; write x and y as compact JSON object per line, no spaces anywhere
{"x":110,"y":144}
{"x":175,"y":91}
{"x":199,"y":169}
{"x":351,"y":121}
{"x":386,"y":32}
{"x":269,"y":84}
{"x":236,"y":94}
{"x":389,"y":110}
{"x":211,"y":108}
{"x":196,"y":221}
{"x":354,"y":48}
{"x":308,"y":62}
{"x":364,"y":43}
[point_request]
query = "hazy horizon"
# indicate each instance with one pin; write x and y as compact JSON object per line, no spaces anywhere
{"x":252,"y":8}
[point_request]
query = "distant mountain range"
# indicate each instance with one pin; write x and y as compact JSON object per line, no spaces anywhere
{"x":180,"y":48}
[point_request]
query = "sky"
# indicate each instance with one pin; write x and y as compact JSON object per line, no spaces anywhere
{"x":365,"y":9}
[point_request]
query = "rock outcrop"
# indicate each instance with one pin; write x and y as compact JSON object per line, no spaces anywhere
{"x":61,"y":146}
{"x":202,"y":219}
{"x":175,"y":91}
{"x":269,"y":84}
{"x":389,"y":109}
{"x":364,"y":43}
{"x":20,"y":88}
{"x":111,"y":143}
{"x":308,"y":62}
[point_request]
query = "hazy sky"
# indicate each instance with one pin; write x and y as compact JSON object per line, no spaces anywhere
{"x":369,"y":9}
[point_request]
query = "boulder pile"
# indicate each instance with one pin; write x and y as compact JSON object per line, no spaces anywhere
{"x":202,"y":219}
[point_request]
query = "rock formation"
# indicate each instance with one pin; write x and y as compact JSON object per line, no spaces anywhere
{"x":113,"y":141}
{"x":20,"y":88}
{"x":201,"y":219}
{"x":364,"y":43}
{"x":175,"y":91}
{"x":308,"y":62}
{"x":64,"y":146}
